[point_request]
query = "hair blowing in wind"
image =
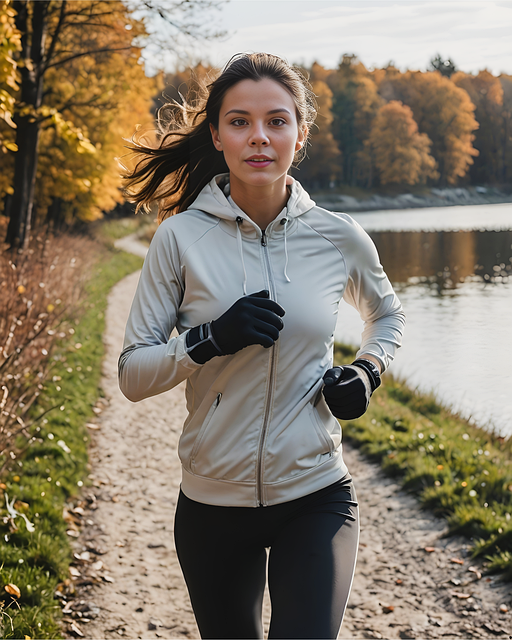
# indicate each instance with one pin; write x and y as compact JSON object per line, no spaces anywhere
{"x":185,"y":160}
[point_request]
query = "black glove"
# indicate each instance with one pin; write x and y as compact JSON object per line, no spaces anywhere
{"x":253,"y":319}
{"x":348,"y":389}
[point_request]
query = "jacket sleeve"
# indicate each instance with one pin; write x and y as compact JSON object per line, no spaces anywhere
{"x":151,"y":361}
{"x":370,"y":292}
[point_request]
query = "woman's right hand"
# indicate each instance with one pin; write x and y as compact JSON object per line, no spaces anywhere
{"x":253,"y":319}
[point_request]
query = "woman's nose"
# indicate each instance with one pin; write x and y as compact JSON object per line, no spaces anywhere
{"x":258,"y":137}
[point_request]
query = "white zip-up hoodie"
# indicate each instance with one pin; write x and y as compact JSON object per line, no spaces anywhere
{"x":258,"y":431}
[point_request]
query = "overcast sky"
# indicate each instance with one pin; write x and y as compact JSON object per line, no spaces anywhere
{"x":409,"y":32}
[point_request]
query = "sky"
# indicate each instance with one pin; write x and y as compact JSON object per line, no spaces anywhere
{"x":474,"y":34}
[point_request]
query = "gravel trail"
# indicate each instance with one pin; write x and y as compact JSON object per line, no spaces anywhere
{"x":127,"y":579}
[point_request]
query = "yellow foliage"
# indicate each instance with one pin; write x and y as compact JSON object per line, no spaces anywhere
{"x":93,"y":105}
{"x":399,"y":152}
{"x":443,"y":111}
{"x":10,"y":42}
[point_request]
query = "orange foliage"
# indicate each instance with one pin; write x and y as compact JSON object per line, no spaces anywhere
{"x":443,"y":111}
{"x":399,"y":152}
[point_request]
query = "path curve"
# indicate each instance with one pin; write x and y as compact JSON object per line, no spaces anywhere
{"x":130,"y":583}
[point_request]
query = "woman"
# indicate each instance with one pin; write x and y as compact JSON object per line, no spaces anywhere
{"x":251,"y":273}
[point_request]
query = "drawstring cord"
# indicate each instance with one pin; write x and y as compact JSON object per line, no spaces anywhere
{"x":284,"y":223}
{"x":239,"y":221}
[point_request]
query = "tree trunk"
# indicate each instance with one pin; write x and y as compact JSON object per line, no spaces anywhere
{"x":33,"y":25}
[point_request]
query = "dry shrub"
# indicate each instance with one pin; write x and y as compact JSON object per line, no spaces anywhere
{"x":38,"y":290}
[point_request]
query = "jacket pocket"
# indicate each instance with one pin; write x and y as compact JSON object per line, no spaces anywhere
{"x":202,"y":431}
{"x":324,"y":436}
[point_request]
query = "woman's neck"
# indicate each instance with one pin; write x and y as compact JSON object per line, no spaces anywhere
{"x":261,"y":203}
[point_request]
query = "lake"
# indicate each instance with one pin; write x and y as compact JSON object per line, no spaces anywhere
{"x":452,"y":270}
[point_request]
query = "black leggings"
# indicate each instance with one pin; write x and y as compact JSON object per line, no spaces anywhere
{"x":313,"y":546}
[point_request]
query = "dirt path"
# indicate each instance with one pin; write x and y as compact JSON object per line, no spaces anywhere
{"x":128,"y":581}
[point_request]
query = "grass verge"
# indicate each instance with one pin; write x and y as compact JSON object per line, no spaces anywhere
{"x":55,"y":466}
{"x":458,"y":470}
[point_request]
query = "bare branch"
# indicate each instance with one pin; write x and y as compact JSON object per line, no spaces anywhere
{"x":89,"y":53}
{"x":51,"y":49}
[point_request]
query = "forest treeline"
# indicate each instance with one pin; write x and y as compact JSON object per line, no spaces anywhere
{"x":73,"y":89}
{"x":382,"y":126}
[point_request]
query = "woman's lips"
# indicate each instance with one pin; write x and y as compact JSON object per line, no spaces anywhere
{"x":259,"y":162}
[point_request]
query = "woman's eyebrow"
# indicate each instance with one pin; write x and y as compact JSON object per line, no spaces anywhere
{"x":246,"y":113}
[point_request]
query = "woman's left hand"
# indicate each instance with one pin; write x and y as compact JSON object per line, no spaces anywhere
{"x":347,"y":391}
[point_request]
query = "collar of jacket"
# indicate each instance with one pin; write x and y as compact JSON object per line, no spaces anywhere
{"x":213,"y":200}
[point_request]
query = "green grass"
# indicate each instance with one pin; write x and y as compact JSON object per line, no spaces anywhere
{"x":459,"y":471}
{"x":115,"y":228}
{"x":51,"y":474}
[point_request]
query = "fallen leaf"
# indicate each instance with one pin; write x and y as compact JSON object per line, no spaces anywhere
{"x":429,"y":549}
{"x":97,"y":566}
{"x":107,"y":578}
{"x":115,"y":498}
{"x":13,"y":590}
{"x":388,"y":608}
{"x":92,"y":426}
{"x":76,"y":629}
{"x":459,"y":594}
{"x":456,"y":560}
{"x":73,"y":533}
{"x":398,"y":581}
{"x":73,"y":572}
{"x":476,"y":572}
{"x":503,"y":608}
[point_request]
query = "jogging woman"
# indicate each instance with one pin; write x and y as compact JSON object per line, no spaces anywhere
{"x":251,"y":272}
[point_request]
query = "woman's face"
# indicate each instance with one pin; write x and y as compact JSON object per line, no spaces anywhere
{"x":258,"y":131}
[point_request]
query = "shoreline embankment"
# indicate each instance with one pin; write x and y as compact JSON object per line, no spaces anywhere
{"x":445,"y":197}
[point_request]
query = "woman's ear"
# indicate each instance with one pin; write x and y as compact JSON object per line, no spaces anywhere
{"x":301,"y":138}
{"x":215,"y":138}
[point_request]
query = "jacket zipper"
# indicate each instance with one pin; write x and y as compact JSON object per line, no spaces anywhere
{"x":270,"y":385}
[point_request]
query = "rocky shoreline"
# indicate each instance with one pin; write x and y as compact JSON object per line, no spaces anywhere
{"x":434,"y":198}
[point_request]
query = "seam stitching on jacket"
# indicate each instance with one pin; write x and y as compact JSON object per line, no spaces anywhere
{"x":330,"y":242}
{"x":214,"y":226}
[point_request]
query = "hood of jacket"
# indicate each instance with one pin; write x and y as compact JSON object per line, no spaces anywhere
{"x":214,"y":200}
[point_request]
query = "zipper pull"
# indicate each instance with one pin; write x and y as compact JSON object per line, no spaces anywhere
{"x":263,"y":239}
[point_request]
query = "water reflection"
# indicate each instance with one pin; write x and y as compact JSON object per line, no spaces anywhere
{"x":456,"y":291}
{"x":445,"y":258}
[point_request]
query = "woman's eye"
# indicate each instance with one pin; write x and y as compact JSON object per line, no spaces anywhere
{"x":238,"y":122}
{"x":276,"y":122}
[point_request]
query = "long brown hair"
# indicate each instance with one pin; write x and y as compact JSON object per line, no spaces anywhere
{"x":185,"y":160}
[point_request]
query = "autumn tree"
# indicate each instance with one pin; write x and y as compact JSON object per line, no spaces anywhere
{"x":54,"y":34}
{"x":9,"y":44}
{"x":355,"y":103}
{"x":398,"y":151}
{"x":321,"y":166}
{"x":506,"y":135}
{"x":444,"y":112}
{"x":486,"y":93}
